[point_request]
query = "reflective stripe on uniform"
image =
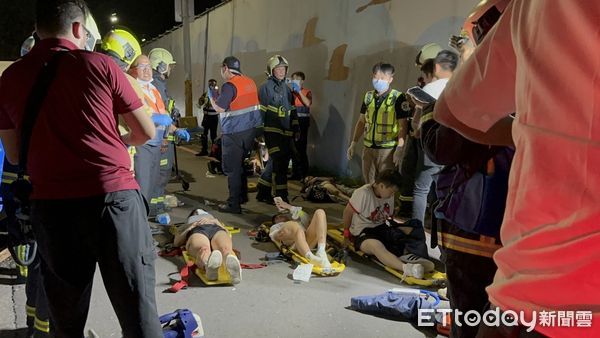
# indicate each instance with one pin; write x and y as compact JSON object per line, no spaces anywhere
{"x":164,"y":162}
{"x":171,"y":138}
{"x":405,"y":198}
{"x":240,"y":111}
{"x":42,"y":325}
{"x":425,"y":118}
{"x":263,"y":182}
{"x":483,"y":247}
{"x":30,"y":310}
{"x":303,"y":114}
{"x":278,"y":131}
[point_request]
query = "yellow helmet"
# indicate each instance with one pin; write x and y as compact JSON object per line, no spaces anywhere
{"x":275,"y":61}
{"x":122,"y":44}
{"x":429,"y":51}
{"x":160,"y":58}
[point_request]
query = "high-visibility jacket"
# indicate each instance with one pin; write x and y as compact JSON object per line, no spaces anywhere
{"x":244,"y":111}
{"x":381,"y":128}
{"x":154,"y":101}
{"x":301,"y":109}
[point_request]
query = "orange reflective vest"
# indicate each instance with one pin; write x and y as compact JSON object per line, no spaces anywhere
{"x":244,"y":111}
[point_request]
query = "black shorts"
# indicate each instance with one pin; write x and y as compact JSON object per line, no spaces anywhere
{"x":395,"y":240}
{"x":208,"y":230}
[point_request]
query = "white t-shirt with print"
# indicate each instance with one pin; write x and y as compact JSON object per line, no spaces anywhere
{"x":370,"y":211}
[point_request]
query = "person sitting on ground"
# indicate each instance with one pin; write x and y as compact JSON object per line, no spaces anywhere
{"x":368,"y":219}
{"x":294,"y":230}
{"x":207,"y":241}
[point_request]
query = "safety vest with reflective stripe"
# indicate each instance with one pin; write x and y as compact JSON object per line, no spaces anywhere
{"x":301,"y":109}
{"x":244,"y":111}
{"x":155,"y":103}
{"x":485,"y":246}
{"x":381,"y":128}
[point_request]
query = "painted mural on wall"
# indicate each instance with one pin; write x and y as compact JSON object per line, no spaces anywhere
{"x":335,"y":42}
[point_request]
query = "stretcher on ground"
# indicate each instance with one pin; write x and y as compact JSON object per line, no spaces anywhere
{"x":336,"y":267}
{"x":190,"y":265}
{"x":434,"y":278}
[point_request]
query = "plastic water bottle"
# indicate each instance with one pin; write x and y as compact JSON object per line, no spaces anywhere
{"x":163,"y":218}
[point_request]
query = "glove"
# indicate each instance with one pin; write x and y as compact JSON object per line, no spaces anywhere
{"x":398,"y":156}
{"x":162,"y":119}
{"x":295,"y":87}
{"x":350,"y":152}
{"x":182,"y":134}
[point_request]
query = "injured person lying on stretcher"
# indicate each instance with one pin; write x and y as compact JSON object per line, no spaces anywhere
{"x":207,"y":241}
{"x":292,"y":228}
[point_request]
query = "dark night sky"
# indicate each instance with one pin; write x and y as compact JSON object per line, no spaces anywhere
{"x":145,"y":18}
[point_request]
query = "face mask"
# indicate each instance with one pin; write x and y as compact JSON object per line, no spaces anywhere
{"x":144,"y":82}
{"x":380,"y":85}
{"x":297,"y":82}
{"x":90,"y":41}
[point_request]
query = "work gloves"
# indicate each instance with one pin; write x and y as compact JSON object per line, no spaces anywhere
{"x":182,"y":134}
{"x":162,"y":119}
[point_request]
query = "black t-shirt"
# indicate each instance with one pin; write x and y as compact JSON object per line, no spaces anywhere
{"x":401,"y":106}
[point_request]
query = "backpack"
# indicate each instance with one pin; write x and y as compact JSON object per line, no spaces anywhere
{"x":475,"y":201}
{"x":314,"y":192}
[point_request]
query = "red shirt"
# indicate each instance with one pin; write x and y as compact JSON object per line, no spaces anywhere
{"x":75,"y":148}
{"x":542,"y":61}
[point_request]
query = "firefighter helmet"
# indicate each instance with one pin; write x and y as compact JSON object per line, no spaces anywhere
{"x":160,"y":59}
{"x":276,"y":61}
{"x":121,"y":44}
{"x":429,"y":51}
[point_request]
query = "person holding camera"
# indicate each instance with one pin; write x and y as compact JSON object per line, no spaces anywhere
{"x":210,"y":118}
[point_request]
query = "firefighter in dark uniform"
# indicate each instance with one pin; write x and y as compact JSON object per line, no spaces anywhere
{"x":280,"y":128}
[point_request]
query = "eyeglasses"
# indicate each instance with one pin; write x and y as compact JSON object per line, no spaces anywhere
{"x":144,"y":66}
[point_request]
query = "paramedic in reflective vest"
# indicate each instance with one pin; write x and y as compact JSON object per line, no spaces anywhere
{"x":239,"y":117}
{"x":147,"y":156}
{"x":281,"y":127}
{"x":302,"y":102}
{"x":162,"y":63}
{"x":383,"y":122}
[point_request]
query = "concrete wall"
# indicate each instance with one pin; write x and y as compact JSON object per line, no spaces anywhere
{"x":335,"y":42}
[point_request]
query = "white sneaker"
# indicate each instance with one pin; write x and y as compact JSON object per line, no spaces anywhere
{"x":428,"y":265}
{"x":321,"y":261}
{"x":233,"y":267}
{"x":215,"y":260}
{"x":413,"y":270}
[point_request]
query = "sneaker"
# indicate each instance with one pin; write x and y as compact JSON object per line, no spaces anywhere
{"x":323,"y":262}
{"x":233,"y":267}
{"x":226,"y":208}
{"x":212,"y":266}
{"x":414,"y":259}
{"x":413,"y":270}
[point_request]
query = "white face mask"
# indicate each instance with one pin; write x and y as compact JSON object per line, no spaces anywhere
{"x":381,"y":86}
{"x":144,"y":82}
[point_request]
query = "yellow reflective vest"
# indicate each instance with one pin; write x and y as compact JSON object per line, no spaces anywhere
{"x":381,"y":128}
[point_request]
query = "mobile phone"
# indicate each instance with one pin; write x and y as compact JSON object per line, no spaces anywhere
{"x":420,"y":95}
{"x":456,"y":41}
{"x":278,"y":200}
